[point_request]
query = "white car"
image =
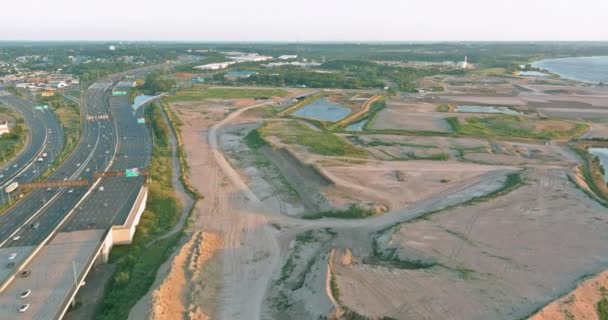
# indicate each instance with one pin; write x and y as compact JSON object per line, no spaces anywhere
{"x":25,"y":294}
{"x":24,"y":307}
{"x":101,"y":188}
{"x":15,"y":238}
{"x":71,"y":190}
{"x":12,"y":256}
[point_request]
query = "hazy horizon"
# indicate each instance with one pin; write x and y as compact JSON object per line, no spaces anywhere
{"x":314,"y":21}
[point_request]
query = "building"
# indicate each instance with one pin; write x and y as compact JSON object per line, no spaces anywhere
{"x":4,"y":127}
{"x":215,"y":66}
{"x":463,"y":64}
{"x":238,"y":75}
{"x":249,"y":57}
{"x":288,"y":57}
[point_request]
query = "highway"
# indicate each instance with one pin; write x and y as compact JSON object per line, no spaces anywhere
{"x":64,"y":227}
{"x":45,"y":135}
{"x":32,"y":219}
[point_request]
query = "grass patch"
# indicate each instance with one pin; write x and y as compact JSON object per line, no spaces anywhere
{"x":68,"y":114}
{"x":373,"y":114}
{"x":254,"y":140}
{"x":602,"y":309}
{"x":352,"y":212}
{"x":198,"y":93}
{"x":138,"y":263}
{"x":319,"y":142}
{"x":11,"y":143}
{"x":515,"y":126}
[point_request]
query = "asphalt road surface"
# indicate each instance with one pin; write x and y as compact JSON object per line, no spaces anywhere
{"x":46,"y":136}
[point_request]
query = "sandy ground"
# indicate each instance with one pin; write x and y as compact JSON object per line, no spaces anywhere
{"x":578,"y":304}
{"x":227,"y":267}
{"x":501,"y":259}
{"x":229,"y":258}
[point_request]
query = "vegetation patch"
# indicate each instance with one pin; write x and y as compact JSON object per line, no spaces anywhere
{"x":354,"y":211}
{"x":68,"y":114}
{"x":138,"y":263}
{"x":319,"y":142}
{"x":11,"y":143}
{"x":254,"y":140}
{"x":198,"y":93}
{"x":516,"y":126}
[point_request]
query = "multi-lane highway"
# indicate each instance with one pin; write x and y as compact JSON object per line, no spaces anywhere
{"x":33,"y":218}
{"x":75,"y":223}
{"x":45,"y":135}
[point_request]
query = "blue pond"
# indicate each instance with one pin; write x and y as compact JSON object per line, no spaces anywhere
{"x":323,"y":109}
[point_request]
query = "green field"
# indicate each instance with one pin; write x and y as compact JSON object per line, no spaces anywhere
{"x":319,"y":142}
{"x":226,"y":93}
{"x":517,"y":127}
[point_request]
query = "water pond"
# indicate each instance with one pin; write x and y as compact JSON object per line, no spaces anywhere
{"x":357,"y":126}
{"x":323,"y":109}
{"x":602,"y":154}
{"x":486,"y":109}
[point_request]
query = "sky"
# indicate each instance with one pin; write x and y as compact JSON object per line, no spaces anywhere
{"x":305,"y":20}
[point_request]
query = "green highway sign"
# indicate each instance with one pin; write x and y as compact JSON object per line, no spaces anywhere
{"x":119,"y":93}
{"x":38,"y":107}
{"x":141,"y":120}
{"x":133,"y":172}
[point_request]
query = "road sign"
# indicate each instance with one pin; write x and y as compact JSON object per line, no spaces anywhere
{"x":141,"y":120}
{"x":133,"y":172}
{"x":38,"y":107}
{"x":45,"y":106}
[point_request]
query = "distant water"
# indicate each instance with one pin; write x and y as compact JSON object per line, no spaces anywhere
{"x":585,"y":69}
{"x":485,"y":109}
{"x":357,"y":126}
{"x":602,"y":154}
{"x":323,"y":109}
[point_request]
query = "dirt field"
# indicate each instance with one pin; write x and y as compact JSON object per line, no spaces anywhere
{"x":411,"y":117}
{"x":452,"y":239}
{"x":485,"y":261}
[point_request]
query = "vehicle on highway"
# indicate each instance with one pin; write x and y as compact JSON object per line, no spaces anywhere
{"x":40,"y":159}
{"x":25,"y":294}
{"x":24,"y":308}
{"x":25,"y":273}
{"x":36,"y":225}
{"x":12,"y":187}
{"x":15,"y":238}
{"x":101,"y":188}
{"x":12,"y":256}
{"x":71,"y":190}
{"x":44,"y":155}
